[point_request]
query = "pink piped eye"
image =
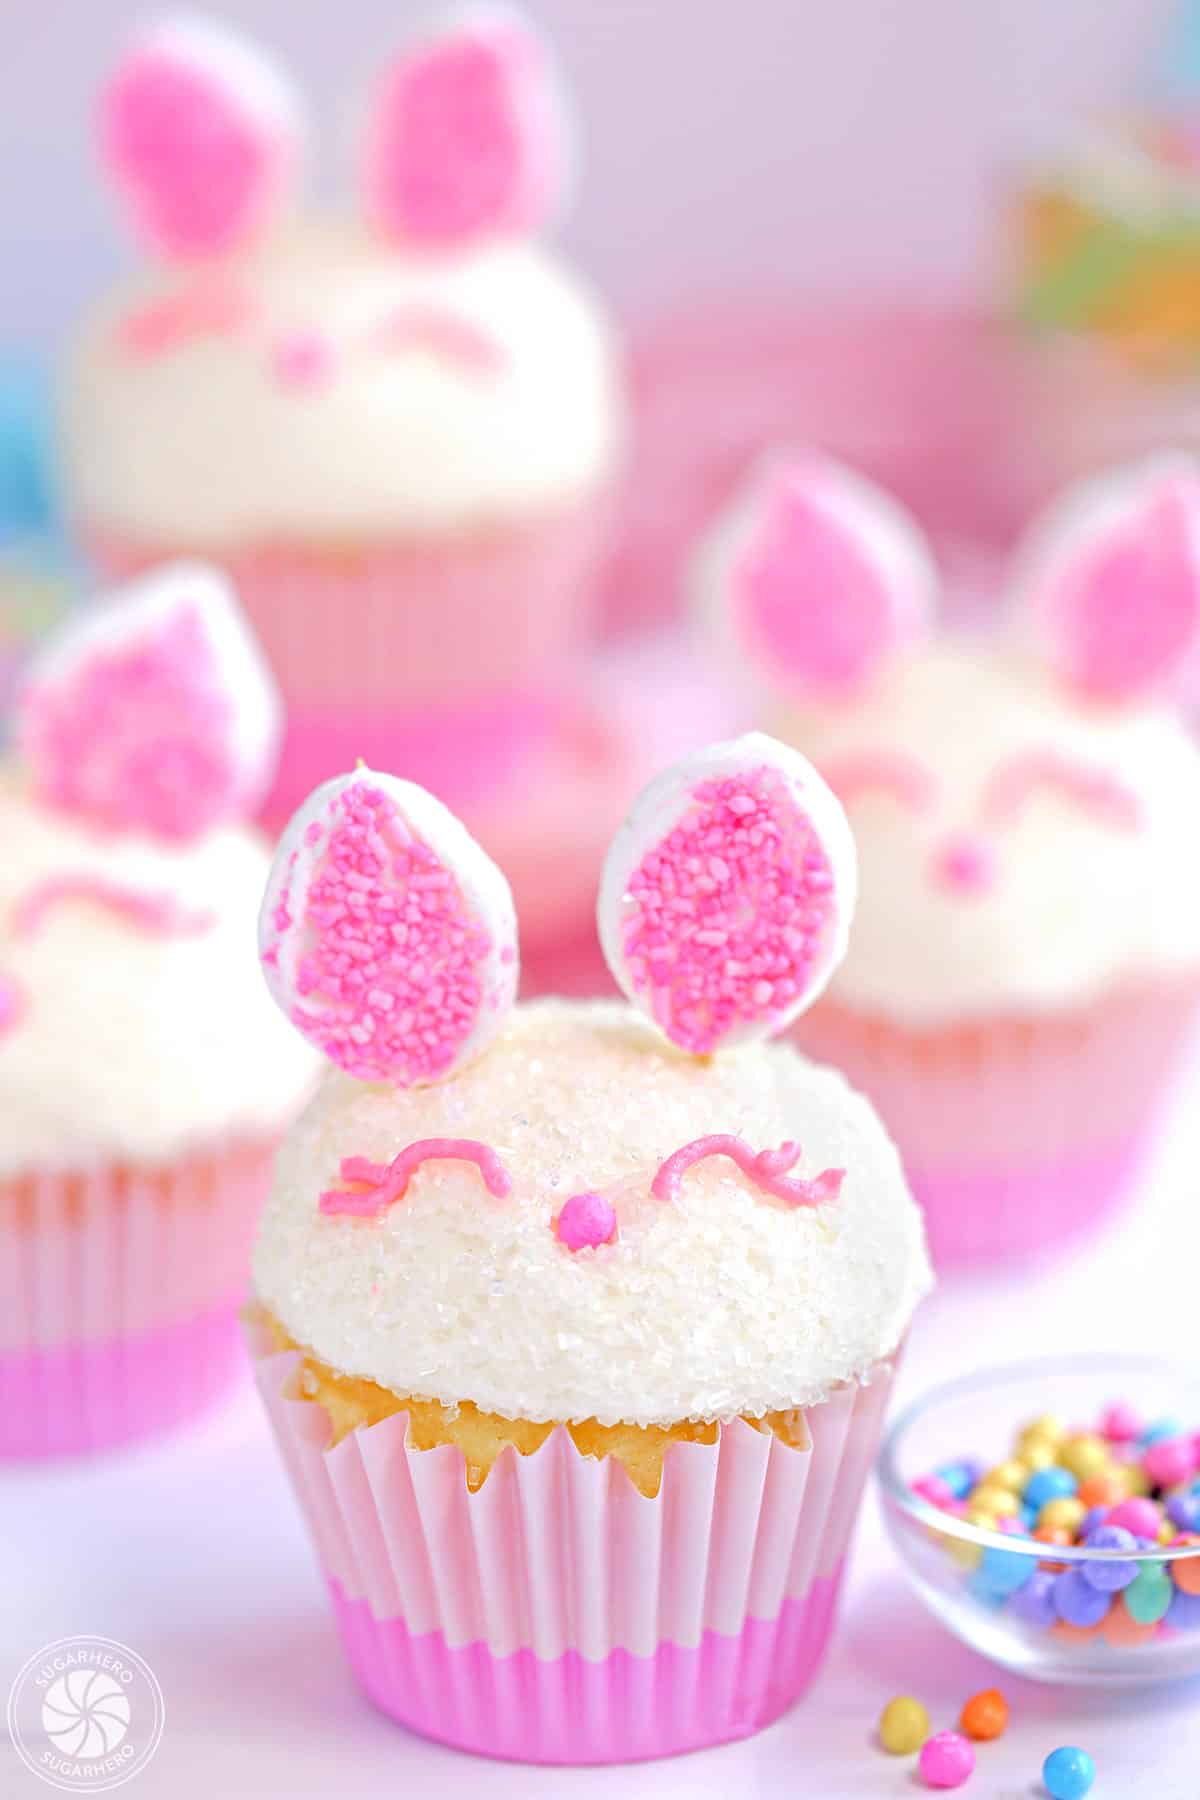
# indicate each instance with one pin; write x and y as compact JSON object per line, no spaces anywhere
{"x":1112,"y":581}
{"x":904,"y":779}
{"x":467,"y":137}
{"x":153,"y":711}
{"x":726,"y":896}
{"x":387,"y":936}
{"x":820,"y":576}
{"x":1095,"y":791}
{"x":201,"y":135}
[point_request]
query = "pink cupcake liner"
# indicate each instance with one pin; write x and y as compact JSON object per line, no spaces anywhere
{"x":118,"y":1288}
{"x":384,"y":628}
{"x":559,"y":1616}
{"x":1018,"y":1134}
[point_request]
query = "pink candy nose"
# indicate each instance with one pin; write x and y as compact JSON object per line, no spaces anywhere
{"x":965,"y":865}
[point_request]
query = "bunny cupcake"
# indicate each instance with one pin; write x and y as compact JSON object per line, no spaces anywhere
{"x":576,"y":1357}
{"x":1025,"y":963}
{"x":143,"y":1084}
{"x":398,"y":433}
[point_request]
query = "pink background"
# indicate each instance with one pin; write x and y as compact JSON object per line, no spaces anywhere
{"x":768,"y":144}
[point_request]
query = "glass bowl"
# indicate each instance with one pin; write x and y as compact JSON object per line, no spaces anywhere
{"x":996,"y":1589}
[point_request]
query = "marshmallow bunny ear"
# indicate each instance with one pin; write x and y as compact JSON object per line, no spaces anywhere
{"x":201,"y":135}
{"x":387,"y":936}
{"x":726,"y":897}
{"x":816,"y":575}
{"x":1109,"y":581}
{"x":153,"y":710}
{"x":468,"y":135}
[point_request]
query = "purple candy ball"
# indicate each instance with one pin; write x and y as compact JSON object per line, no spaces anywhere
{"x":1076,"y":1601}
{"x":1034,"y":1603}
{"x":1183,"y":1614}
{"x":1184,"y":1511}
{"x":1110,"y":1577}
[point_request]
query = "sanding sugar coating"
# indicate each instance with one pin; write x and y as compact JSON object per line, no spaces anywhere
{"x":387,"y":936}
{"x":728,"y":1301}
{"x":726,"y":896}
{"x":153,"y":710}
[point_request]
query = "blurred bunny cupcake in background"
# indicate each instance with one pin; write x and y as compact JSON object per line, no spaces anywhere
{"x":399,"y":431}
{"x":576,"y":1325}
{"x":143,"y":1083}
{"x":1025,"y":963}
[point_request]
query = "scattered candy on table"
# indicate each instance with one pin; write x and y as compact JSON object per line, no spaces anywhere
{"x":903,"y":1726}
{"x":1120,"y":1488}
{"x":1068,"y":1773}
{"x":946,"y":1760}
{"x":985,"y":1715}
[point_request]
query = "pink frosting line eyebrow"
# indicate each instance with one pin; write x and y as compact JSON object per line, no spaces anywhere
{"x":158,"y":913}
{"x":860,"y":771}
{"x":428,"y":328}
{"x":1100,"y":792}
{"x":12,"y":1004}
{"x":767,"y":1170}
{"x":377,"y":1185}
{"x":162,"y":325}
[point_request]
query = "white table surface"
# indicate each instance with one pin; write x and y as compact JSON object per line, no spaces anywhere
{"x":192,"y":1553}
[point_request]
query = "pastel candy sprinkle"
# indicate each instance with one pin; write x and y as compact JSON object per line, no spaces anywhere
{"x":1109,"y":1576}
{"x":1119,"y":1423}
{"x":1170,"y":1461}
{"x":1076,"y":1601}
{"x":201,"y":134}
{"x":726,"y":895}
{"x":467,"y":136}
{"x":152,"y":711}
{"x":1149,"y":1595}
{"x":585,"y":1222}
{"x":386,"y":935}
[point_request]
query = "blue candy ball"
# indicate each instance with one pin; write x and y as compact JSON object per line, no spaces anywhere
{"x":1158,"y":1429}
{"x":1076,"y":1601}
{"x":1034,"y":1604}
{"x":1048,"y":1484}
{"x":1068,"y":1773}
{"x":1004,"y":1571}
{"x":1110,"y":1577}
{"x":958,"y":1477}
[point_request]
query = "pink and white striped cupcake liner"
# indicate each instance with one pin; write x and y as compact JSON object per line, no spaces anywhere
{"x":557,"y":1615}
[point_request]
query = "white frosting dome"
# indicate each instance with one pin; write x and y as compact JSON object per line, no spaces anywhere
{"x":125,"y":1042}
{"x":724,"y":1302}
{"x":204,"y":442}
{"x":1076,"y":903}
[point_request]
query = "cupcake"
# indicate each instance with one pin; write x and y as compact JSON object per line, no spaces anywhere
{"x":1025,"y":963}
{"x":143,"y":1081}
{"x":397,"y":431}
{"x":577,"y":1359}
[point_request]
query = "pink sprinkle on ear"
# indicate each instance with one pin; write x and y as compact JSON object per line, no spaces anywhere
{"x":198,"y":311}
{"x":585,"y":1222}
{"x":153,"y":711}
{"x":199,"y":133}
{"x":388,"y":928}
{"x":1124,"y":607}
{"x":159,"y":914}
{"x":467,"y":137}
{"x":376,"y":1186}
{"x":767,"y":1170}
{"x":827,"y":577}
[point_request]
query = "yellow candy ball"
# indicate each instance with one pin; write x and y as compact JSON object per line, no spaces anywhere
{"x":903,"y":1726}
{"x":999,"y":1501}
{"x":964,"y":1555}
{"x":1167,"y":1532}
{"x":1066,"y":1512}
{"x":1137,"y":1482}
{"x":1011,"y":1475}
{"x":1037,"y":1453}
{"x":1049,"y":1425}
{"x":1084,"y":1456}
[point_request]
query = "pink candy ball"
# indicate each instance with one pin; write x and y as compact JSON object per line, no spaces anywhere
{"x":586,"y":1221}
{"x":946,"y":1759}
{"x":1170,"y":1461}
{"x":935,"y":1490}
{"x":1140,"y":1516}
{"x":1119,"y":1423}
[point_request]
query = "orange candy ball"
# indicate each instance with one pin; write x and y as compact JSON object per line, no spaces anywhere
{"x":985,"y":1715}
{"x":1106,"y":1489}
{"x":1186,"y":1573}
